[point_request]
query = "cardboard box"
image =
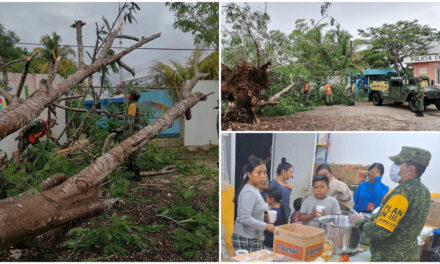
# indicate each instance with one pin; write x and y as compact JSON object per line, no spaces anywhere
{"x":298,"y":241}
{"x":433,"y":218}
{"x":348,"y":173}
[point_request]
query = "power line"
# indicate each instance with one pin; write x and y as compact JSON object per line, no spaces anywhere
{"x":86,"y":46}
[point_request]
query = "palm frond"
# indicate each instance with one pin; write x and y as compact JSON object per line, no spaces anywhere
{"x":158,"y":106}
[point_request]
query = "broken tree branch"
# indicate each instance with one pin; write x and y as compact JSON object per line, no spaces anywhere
{"x":70,"y":98}
{"x":53,"y":181}
{"x":107,"y":24}
{"x":24,"y":74}
{"x":79,"y":40}
{"x":71,"y":119}
{"x":109,"y":42}
{"x":278,"y":95}
{"x":165,"y":170}
{"x":82,"y":110}
{"x":125,"y":66}
{"x":13,"y":119}
{"x":83,"y":149}
{"x":53,"y":72}
{"x":106,"y":142}
{"x":127,"y":37}
{"x":172,"y":219}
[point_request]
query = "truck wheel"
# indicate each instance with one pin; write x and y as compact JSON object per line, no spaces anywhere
{"x":413,"y":104}
{"x":438,"y":106}
{"x":376,"y":99}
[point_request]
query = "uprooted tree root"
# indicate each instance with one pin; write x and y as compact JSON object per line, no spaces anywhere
{"x":244,"y":85}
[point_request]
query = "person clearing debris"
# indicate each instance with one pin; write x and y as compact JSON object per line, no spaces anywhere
{"x":134,"y":122}
{"x":32,"y":133}
{"x":328,"y":94}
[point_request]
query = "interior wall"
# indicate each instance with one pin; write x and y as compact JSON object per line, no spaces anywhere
{"x":299,"y":150}
{"x":367,"y":148}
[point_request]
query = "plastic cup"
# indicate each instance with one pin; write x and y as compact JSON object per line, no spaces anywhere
{"x":272,"y":216}
{"x":320,"y":208}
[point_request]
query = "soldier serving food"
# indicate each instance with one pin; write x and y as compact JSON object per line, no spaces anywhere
{"x":394,"y":229}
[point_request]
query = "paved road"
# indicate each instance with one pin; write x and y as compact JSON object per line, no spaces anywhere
{"x":363,"y":116}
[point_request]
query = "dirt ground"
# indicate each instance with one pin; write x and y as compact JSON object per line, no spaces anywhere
{"x":142,"y":208}
{"x":363,"y":116}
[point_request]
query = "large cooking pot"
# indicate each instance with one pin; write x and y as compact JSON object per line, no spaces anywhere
{"x":341,"y":232}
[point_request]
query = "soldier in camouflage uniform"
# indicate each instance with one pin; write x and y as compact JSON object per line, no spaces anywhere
{"x":134,"y":122}
{"x":393,"y":231}
{"x":32,"y":133}
{"x":351,"y":93}
{"x":420,"y":95}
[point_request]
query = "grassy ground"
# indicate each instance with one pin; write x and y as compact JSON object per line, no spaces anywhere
{"x":172,"y":217}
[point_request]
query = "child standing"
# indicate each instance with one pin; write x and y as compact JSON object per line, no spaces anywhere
{"x":273,"y":199}
{"x":309,"y":212}
{"x":297,"y":206}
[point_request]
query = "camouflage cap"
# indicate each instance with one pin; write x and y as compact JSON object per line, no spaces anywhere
{"x":414,"y":154}
{"x":135,"y":93}
{"x":53,"y":120}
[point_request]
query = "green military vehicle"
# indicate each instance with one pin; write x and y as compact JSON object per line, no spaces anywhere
{"x":403,"y":89}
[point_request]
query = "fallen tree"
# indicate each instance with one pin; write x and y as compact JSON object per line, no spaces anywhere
{"x":17,"y":115}
{"x":77,"y":197}
{"x":64,"y":200}
{"x":244,"y":86}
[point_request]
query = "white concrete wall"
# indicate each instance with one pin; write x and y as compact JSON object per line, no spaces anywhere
{"x":367,"y":148}
{"x":8,"y":144}
{"x":202,"y":128}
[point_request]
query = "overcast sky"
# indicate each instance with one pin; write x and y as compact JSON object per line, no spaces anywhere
{"x":352,"y":16}
{"x":30,"y":21}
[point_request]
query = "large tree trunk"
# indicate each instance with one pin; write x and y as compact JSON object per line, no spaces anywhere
{"x":30,"y":215}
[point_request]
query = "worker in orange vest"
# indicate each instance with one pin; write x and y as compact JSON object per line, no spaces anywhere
{"x":306,"y":92}
{"x":328,"y":94}
{"x":32,"y":133}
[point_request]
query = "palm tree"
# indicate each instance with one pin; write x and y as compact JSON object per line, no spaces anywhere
{"x":51,"y":51}
{"x":348,"y":60}
{"x":176,"y":74}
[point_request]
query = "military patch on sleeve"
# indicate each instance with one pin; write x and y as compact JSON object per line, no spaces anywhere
{"x":392,"y":212}
{"x":132,"y":109}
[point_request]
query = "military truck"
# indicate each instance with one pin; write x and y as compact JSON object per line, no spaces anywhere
{"x":403,"y":89}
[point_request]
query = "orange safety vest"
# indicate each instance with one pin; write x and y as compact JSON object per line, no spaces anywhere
{"x":306,"y":87}
{"x":328,"y":89}
{"x":43,"y":132}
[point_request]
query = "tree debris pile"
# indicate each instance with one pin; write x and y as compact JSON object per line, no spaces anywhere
{"x":244,"y":85}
